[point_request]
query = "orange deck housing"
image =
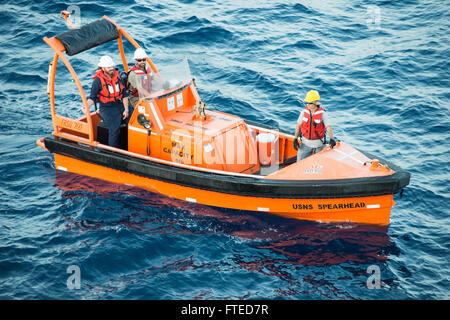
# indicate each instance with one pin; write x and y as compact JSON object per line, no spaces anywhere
{"x":178,"y":134}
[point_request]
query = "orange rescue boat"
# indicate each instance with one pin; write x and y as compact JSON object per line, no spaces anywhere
{"x":174,"y":146}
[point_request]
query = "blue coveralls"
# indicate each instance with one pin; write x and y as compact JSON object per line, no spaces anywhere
{"x":110,"y":112}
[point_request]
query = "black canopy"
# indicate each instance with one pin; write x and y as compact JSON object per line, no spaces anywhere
{"x":88,"y":36}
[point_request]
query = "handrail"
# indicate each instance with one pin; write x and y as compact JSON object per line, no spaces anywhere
{"x":132,"y":41}
{"x":57,"y":46}
{"x":66,"y":15}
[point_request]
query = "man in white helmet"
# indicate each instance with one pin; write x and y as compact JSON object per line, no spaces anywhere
{"x":108,"y":89}
{"x":139,"y":70}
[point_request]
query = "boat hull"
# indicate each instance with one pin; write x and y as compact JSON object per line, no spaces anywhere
{"x":176,"y":148}
{"x":366,"y":210}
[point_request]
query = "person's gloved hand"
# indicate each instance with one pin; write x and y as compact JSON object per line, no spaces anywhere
{"x":332,"y":143}
{"x":296,"y":144}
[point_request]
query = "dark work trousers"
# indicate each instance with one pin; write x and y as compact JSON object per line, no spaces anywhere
{"x":112,"y":115}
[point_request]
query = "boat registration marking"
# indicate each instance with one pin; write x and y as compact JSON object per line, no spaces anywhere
{"x":191,"y":200}
{"x":373,"y":206}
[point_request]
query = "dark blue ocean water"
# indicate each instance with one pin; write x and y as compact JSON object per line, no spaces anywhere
{"x":382,"y":69}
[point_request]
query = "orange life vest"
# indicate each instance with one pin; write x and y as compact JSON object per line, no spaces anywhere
{"x":312,"y":125}
{"x":146,"y":82}
{"x":112,"y":89}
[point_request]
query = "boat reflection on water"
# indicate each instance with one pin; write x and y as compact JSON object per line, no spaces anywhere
{"x":286,"y":241}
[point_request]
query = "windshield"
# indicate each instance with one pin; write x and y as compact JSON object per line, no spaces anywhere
{"x":167,"y":79}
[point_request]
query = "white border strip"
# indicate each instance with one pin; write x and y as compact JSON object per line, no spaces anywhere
{"x":279,"y":133}
{"x":373,"y":206}
{"x":180,"y":165}
{"x":156,"y":116}
{"x":348,"y":155}
{"x":140,"y":130}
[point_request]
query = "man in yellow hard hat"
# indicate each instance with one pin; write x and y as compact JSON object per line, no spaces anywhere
{"x":312,"y":124}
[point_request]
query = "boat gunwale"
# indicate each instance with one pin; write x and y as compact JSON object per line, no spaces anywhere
{"x":242,"y":184}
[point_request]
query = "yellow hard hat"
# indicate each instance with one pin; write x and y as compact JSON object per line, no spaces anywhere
{"x":312,"y":96}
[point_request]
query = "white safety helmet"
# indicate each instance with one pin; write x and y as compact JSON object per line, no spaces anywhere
{"x":106,"y":62}
{"x":140,"y":54}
